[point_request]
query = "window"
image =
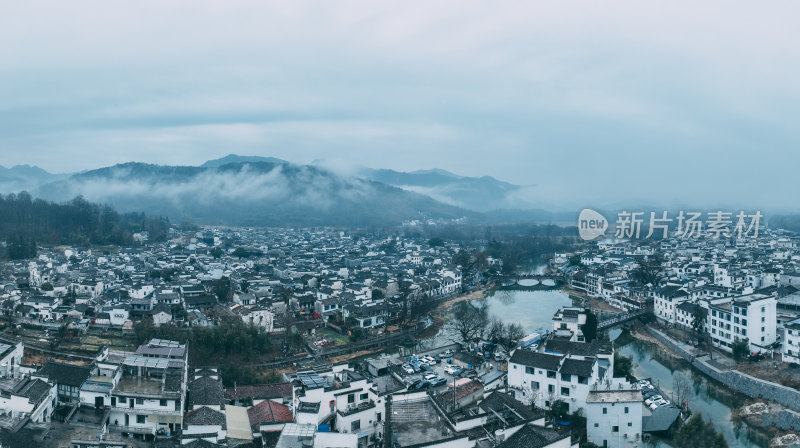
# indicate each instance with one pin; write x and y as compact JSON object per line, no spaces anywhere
{"x":355,"y":426}
{"x":162,"y":403}
{"x":140,"y":401}
{"x":565,"y":391}
{"x":378,"y":416}
{"x":530,"y":370}
{"x":363,"y":396}
{"x":551,"y":389}
{"x":551,"y":374}
{"x":630,"y":423}
{"x":605,"y":410}
{"x":534,"y":385}
{"x":626,"y":409}
{"x":596,"y":425}
{"x":583,"y":380}
{"x":615,"y":429}
{"x":140,"y":419}
{"x":566,"y":377}
{"x":351,"y":398}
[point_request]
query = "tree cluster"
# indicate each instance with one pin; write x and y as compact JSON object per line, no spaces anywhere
{"x":470,"y":319}
{"x":26,"y":222}
{"x":234,"y":374}
{"x":696,"y":432}
{"x":212,"y":345}
{"x":506,"y":336}
{"x":648,"y":270}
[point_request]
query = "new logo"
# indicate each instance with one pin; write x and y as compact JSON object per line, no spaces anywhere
{"x":591,"y":224}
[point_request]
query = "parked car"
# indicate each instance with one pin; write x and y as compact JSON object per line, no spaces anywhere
{"x":422,"y":385}
{"x":413,"y":383}
{"x":438,"y":381}
{"x":652,"y":399}
{"x":429,"y":376}
{"x":407,"y":368}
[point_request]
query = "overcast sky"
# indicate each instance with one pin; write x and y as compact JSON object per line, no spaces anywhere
{"x":678,"y":102}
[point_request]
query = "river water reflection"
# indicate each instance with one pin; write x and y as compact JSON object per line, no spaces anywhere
{"x":706,"y":396}
{"x":534,"y":310}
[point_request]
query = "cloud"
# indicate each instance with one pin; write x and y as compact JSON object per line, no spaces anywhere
{"x":674,"y":98}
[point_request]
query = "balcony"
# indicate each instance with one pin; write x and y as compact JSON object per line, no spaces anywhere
{"x":354,"y":409}
{"x":151,"y":430}
{"x":168,"y":411}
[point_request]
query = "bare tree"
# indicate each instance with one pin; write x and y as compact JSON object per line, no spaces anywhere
{"x":495,"y":331}
{"x":682,"y":387}
{"x":512,"y":334}
{"x":470,"y":319}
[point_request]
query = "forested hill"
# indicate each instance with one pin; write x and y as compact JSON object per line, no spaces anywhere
{"x":26,"y":222}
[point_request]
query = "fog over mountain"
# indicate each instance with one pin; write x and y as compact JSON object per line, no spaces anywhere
{"x":267,"y":191}
{"x":250,"y":193}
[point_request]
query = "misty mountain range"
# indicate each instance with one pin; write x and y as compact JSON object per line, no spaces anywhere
{"x":265,"y":191}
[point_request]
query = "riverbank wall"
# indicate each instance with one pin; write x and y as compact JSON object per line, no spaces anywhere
{"x":740,"y":382}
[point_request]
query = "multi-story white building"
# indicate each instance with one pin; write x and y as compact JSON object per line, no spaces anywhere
{"x":614,"y":417}
{"x":30,"y":398}
{"x":791,"y":342}
{"x":10,"y":359}
{"x":666,"y":301}
{"x":345,"y":396}
{"x":752,"y":317}
{"x":150,"y":395}
{"x":569,"y":322}
{"x":567,"y":373}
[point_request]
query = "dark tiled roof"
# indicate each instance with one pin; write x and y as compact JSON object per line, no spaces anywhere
{"x":534,"y":359}
{"x":66,"y":374}
{"x":206,"y":391}
{"x":531,"y":436}
{"x":204,"y":416}
{"x":468,"y":358}
{"x":578,"y":348}
{"x":577,"y":367}
{"x":662,"y":419}
{"x":200,"y":443}
{"x":34,"y":390}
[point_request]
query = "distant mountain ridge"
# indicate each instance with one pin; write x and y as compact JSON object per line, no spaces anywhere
{"x":250,"y":194}
{"x":475,"y":193}
{"x":25,"y":177}
{"x":267,"y":191}
{"x":233,"y":158}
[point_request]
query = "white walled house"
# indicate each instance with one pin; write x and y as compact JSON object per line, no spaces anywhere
{"x":151,"y":393}
{"x":543,"y":378}
{"x":570,"y":321}
{"x":666,"y":301}
{"x":614,"y":417}
{"x":791,"y":342}
{"x":28,"y":397}
{"x":10,"y":360}
{"x":752,"y":317}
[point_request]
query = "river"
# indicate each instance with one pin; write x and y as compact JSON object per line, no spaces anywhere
{"x":706,"y":396}
{"x":531,"y":309}
{"x":535,"y":309}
